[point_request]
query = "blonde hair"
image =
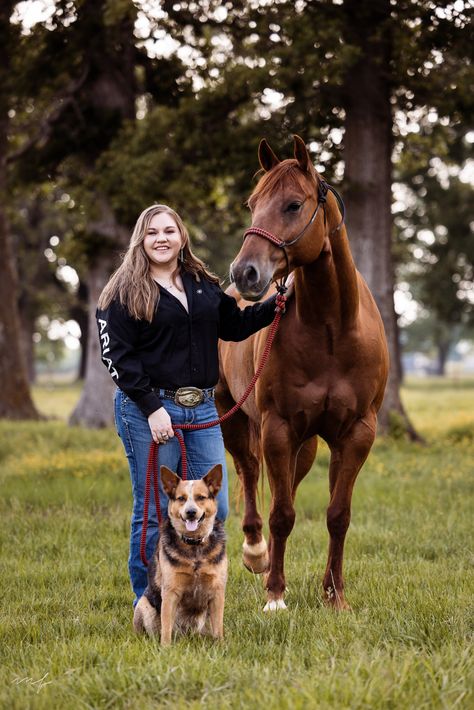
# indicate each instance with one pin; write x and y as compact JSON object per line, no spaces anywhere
{"x":133,"y":284}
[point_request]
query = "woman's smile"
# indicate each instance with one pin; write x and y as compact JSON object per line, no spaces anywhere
{"x":162,"y":241}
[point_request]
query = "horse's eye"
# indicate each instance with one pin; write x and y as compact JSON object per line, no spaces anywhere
{"x":293,"y":207}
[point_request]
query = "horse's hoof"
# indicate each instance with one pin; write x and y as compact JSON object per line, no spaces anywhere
{"x":336,"y":600}
{"x":274,"y":605}
{"x":341,"y":606}
{"x":255,"y":557}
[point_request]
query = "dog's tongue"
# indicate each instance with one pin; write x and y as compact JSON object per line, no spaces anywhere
{"x":192,"y":525}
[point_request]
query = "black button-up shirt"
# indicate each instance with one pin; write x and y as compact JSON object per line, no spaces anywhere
{"x":178,"y":348}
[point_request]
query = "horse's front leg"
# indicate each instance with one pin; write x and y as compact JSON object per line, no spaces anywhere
{"x":280,"y":456}
{"x":347,"y":458}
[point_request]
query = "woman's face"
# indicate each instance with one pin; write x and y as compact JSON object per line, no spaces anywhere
{"x":162,"y":241}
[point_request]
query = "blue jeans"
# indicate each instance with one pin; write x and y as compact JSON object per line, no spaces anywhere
{"x":204,"y":449}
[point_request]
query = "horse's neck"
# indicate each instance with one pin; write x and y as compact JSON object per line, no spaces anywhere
{"x":326,"y":290}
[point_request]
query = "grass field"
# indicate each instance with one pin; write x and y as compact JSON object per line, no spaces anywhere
{"x":66,"y":639}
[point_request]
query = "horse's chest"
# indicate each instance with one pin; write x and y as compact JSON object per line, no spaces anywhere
{"x":319,"y":375}
{"x":318,"y":408}
{"x":337,"y":399}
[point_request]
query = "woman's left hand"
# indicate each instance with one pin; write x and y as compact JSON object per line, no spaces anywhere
{"x":290,"y":285}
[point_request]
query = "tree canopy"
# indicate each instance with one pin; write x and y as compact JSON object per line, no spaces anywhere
{"x":119,"y":104}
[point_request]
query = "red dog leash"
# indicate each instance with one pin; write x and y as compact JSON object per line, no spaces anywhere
{"x":152,"y":465}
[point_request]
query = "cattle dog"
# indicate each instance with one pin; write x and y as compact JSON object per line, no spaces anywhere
{"x":188,"y":572}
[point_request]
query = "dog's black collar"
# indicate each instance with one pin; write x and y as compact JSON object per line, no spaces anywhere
{"x":191,"y":540}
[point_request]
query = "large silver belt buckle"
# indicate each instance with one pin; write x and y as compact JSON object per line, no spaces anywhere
{"x":189,"y":396}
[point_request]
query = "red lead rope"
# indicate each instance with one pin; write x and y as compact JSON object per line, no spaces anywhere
{"x":152,"y":466}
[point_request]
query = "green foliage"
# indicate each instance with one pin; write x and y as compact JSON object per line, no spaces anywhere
{"x":116,"y":128}
{"x":436,"y":232}
{"x":461,"y":434}
{"x":194,"y":145}
{"x":66,"y":613}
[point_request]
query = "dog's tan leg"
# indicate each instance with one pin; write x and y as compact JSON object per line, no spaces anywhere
{"x":169,"y":605}
{"x":146,"y":618}
{"x":216,"y":614}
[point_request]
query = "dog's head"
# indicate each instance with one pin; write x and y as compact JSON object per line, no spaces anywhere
{"x":192,"y":505}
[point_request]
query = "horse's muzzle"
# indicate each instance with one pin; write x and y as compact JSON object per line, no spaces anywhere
{"x":249,"y":280}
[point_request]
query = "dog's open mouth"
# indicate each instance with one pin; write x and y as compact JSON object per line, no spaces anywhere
{"x":192,"y":525}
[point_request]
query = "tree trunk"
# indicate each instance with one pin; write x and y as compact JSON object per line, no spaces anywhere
{"x":95,"y":407}
{"x":442,"y":356}
{"x":15,"y":401}
{"x":27,"y":325}
{"x":80,"y":313}
{"x":368,"y":175}
{"x":111,"y":88}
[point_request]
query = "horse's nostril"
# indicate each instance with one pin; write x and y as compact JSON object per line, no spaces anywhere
{"x":251,"y":275}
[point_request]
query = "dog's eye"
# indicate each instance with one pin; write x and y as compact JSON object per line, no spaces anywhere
{"x":181,"y":499}
{"x":200,"y":497}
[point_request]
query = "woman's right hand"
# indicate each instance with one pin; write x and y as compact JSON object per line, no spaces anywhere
{"x":160,"y":426}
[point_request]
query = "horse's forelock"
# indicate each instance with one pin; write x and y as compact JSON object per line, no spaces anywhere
{"x":269,"y":183}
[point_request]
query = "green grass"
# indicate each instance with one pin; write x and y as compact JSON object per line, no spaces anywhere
{"x":66,"y":637}
{"x":57,"y":400}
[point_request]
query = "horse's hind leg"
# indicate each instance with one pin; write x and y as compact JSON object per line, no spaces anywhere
{"x":347,"y":458}
{"x":242,"y":441}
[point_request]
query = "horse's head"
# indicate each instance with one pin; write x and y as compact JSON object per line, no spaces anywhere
{"x":285,"y":206}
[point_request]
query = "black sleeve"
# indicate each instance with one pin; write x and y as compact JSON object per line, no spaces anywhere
{"x":237,"y":324}
{"x":118,"y":335}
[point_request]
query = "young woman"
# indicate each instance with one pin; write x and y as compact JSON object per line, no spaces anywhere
{"x":160,"y":317}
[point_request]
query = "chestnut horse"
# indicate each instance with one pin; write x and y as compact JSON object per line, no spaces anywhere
{"x":326,"y":372}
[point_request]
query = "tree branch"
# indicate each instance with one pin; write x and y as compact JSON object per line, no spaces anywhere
{"x":44,"y":131}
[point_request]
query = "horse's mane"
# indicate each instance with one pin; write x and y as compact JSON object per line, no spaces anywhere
{"x":270,"y":181}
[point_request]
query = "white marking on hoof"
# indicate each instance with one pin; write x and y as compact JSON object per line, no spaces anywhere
{"x":274,"y":605}
{"x":255,"y":550}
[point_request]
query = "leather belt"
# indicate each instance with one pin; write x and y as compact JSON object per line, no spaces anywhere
{"x":188,"y":396}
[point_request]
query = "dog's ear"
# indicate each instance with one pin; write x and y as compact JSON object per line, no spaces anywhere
{"x":169,"y":480}
{"x":213,"y":479}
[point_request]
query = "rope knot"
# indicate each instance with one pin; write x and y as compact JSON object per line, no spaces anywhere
{"x":280,"y":301}
{"x":322,"y":191}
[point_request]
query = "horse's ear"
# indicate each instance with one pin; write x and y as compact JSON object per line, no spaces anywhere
{"x":266,"y":156}
{"x":301,"y":153}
